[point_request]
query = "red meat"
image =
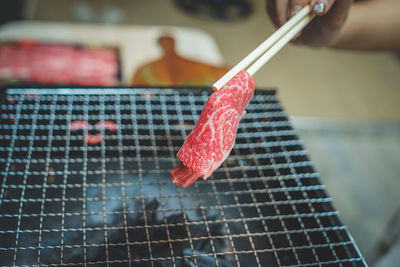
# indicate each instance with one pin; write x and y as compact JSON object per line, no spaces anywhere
{"x":213,"y":136}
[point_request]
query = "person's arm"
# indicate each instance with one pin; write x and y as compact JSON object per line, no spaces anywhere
{"x":371,"y":25}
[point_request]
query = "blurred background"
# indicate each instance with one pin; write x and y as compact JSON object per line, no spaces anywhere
{"x":345,"y":105}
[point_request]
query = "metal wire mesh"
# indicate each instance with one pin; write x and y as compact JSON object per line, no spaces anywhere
{"x":66,"y":201}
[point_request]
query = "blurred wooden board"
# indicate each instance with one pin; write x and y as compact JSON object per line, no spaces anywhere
{"x":174,"y":70}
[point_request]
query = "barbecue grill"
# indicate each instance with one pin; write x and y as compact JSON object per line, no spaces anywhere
{"x":67,"y":201}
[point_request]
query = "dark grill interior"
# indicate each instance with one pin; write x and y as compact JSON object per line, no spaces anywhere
{"x":68,"y":201}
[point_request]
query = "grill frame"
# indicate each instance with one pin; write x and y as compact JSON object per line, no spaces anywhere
{"x":292,"y":190}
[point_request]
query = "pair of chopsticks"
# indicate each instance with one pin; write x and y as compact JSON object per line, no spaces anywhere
{"x":269,"y":47}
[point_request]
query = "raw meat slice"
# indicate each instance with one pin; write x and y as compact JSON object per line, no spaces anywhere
{"x":213,"y":136}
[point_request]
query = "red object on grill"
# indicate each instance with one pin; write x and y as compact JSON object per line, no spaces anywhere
{"x":213,"y":136}
{"x":79,"y":125}
{"x":93,"y":139}
{"x":107,"y":125}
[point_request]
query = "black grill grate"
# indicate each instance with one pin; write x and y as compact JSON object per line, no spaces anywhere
{"x":65,"y":201}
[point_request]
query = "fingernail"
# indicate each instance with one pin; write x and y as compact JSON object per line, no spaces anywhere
{"x":319,"y":8}
{"x":294,"y":10}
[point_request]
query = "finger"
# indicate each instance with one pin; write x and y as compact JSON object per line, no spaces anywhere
{"x":271,"y":10}
{"x":321,"y":7}
{"x":282,"y":10}
{"x":295,"y":6}
{"x":325,"y":29}
{"x":337,"y":14}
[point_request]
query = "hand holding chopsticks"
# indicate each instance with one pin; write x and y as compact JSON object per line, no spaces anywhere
{"x":269,"y":47}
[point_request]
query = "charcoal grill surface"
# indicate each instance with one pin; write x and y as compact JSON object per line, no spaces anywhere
{"x":64,"y":201}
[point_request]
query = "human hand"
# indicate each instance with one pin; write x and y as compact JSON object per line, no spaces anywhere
{"x":323,"y":29}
